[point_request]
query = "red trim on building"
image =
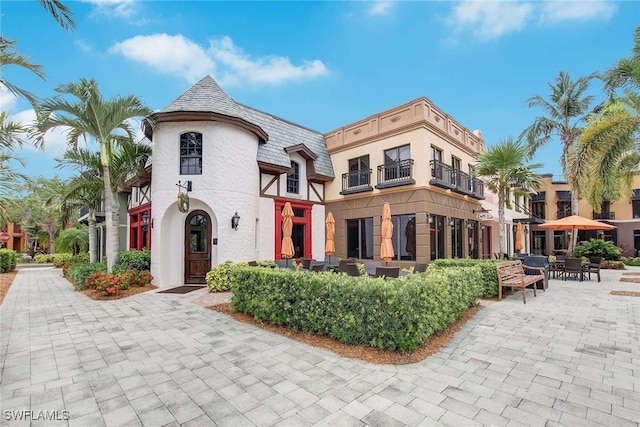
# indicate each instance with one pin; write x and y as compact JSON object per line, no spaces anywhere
{"x":138,"y":238}
{"x":306,"y":220}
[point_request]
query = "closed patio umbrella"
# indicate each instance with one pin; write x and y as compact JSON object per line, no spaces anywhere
{"x":386,"y":232}
{"x":287,"y":250}
{"x":519,"y":245}
{"x":330,"y":223}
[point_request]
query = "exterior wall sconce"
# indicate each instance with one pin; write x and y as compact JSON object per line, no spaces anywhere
{"x":469,"y":225}
{"x":429,"y":219}
{"x":515,"y":228}
{"x":145,"y":221}
{"x":482,"y":227}
{"x":452,"y":222}
{"x":235,"y":220}
{"x":526,"y":230}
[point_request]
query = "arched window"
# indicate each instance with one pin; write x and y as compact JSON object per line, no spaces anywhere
{"x":191,"y":153}
{"x":293,"y":179}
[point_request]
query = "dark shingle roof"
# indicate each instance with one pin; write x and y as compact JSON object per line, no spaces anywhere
{"x":207,"y":96}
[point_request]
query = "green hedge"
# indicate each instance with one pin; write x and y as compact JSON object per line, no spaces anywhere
{"x":635,"y":262}
{"x":399,"y":314}
{"x":8,"y":260}
{"x":43,"y":258}
{"x":78,"y":273}
{"x":136,"y":260}
{"x":61,"y":259}
{"x":489,"y":281}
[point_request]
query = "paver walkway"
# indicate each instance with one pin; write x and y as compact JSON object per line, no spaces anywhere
{"x":571,"y":356}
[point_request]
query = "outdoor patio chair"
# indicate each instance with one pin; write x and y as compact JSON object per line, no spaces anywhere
{"x":370,"y":266}
{"x":352,"y":269}
{"x":306,"y":262}
{"x":419,"y":268}
{"x":537,"y":261}
{"x":573,"y":267}
{"x":317,"y":266}
{"x":595,"y":263}
{"x":253,"y":263}
{"x":342,"y":265}
{"x":285,"y":263}
{"x":393,"y":272}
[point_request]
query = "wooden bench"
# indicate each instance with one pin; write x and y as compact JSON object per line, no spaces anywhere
{"x":511,"y":274}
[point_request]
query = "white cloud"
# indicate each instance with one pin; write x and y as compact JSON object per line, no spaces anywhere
{"x":7,"y":99}
{"x":238,"y":67}
{"x":179,"y":56}
{"x":380,"y":7}
{"x":118,"y":8}
{"x":55,"y":141}
{"x":175,"y":55}
{"x":491,"y":19}
{"x":560,"y":11}
{"x":82,"y":46}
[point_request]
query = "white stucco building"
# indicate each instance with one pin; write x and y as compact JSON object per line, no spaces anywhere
{"x":238,"y":160}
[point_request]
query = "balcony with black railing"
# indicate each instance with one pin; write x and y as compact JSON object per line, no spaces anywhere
{"x":396,"y":174}
{"x":563,"y":213}
{"x":444,"y":176}
{"x":604,"y":215}
{"x":356,"y":181}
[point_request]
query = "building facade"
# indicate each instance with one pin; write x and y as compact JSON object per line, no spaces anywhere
{"x":553,"y":201}
{"x":15,"y":236}
{"x":234,"y":163}
{"x":420,"y":160}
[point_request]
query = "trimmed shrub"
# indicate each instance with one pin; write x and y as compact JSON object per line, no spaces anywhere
{"x":398,"y":314}
{"x":8,"y":260}
{"x":78,"y":273}
{"x":612,"y":265}
{"x":598,"y":247}
{"x":136,"y":260}
{"x":43,"y":258}
{"x":82,"y":257}
{"x":630,"y":261}
{"x":61,"y":259}
{"x":219,"y":278}
{"x":487,"y":267}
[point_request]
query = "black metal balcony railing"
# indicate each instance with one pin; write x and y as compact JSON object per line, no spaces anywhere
{"x":443,"y":175}
{"x":604,"y":215}
{"x":356,"y":181}
{"x":563,"y":213}
{"x":394,"y":174}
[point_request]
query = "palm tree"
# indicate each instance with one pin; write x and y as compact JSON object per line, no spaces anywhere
{"x":85,"y":190}
{"x":9,"y":56}
{"x":504,"y":170}
{"x":61,"y":13}
{"x":567,"y":109}
{"x":11,"y":181}
{"x":105,"y":121}
{"x":608,"y":152}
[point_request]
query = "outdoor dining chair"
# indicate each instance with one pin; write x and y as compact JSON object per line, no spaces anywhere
{"x":393,"y":272}
{"x":352,"y":269}
{"x":317,"y":266}
{"x":595,"y":263}
{"x":573,"y":267}
{"x":419,"y":268}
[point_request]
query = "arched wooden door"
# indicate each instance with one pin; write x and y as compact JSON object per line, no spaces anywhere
{"x":197,"y":247}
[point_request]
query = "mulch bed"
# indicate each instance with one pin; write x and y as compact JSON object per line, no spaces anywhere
{"x":368,"y":354}
{"x":97,"y":295}
{"x":625,"y":293}
{"x":6,"y":279}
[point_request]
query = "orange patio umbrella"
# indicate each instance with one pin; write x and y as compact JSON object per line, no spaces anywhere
{"x":330,"y":247}
{"x":576,"y":222}
{"x":519,"y":245}
{"x":287,"y":250}
{"x":386,"y":232}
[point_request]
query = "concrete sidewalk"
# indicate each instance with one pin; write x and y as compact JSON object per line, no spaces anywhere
{"x":571,"y":356}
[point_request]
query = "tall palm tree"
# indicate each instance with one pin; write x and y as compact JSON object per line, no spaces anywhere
{"x":608,"y":153}
{"x":11,"y":182}
{"x":566,"y":111}
{"x":89,"y":115}
{"x":503,"y":167}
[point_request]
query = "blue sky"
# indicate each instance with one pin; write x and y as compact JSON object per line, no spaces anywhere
{"x":324,"y":64}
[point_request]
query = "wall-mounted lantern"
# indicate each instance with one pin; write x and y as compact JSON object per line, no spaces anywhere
{"x":235,"y":220}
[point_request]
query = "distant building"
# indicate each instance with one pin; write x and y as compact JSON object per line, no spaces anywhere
{"x":553,"y":201}
{"x":15,"y":236}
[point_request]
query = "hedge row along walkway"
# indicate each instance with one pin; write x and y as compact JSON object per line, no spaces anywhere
{"x":568,"y":357}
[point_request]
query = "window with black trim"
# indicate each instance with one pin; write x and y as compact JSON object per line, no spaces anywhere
{"x":359,"y":171}
{"x":293,"y":179}
{"x":191,"y":153}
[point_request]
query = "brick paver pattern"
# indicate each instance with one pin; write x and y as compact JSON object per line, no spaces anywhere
{"x":570,"y":357}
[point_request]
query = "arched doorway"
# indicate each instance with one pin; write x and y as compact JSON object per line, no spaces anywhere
{"x":197,"y":247}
